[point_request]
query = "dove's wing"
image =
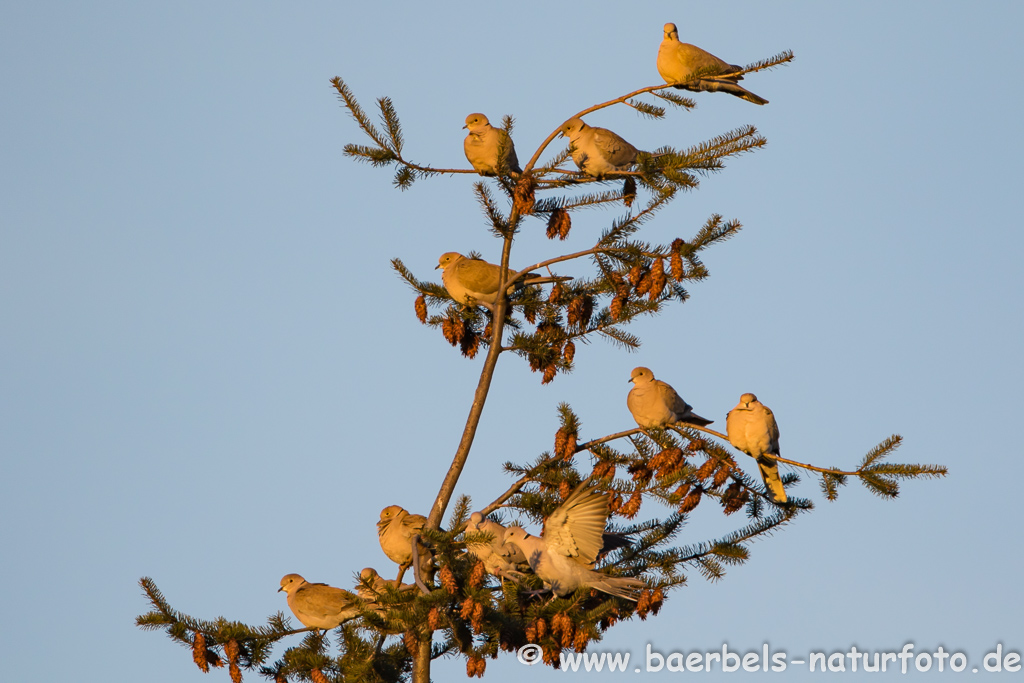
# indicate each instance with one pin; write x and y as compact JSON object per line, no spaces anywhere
{"x":477,"y":276}
{"x":324,"y":601}
{"x":672,"y":399}
{"x":505,"y":143}
{"x":768,"y":466}
{"x":771,"y":428}
{"x":683,"y":411}
{"x":576,"y":527}
{"x":613,"y":148}
{"x":694,"y":58}
{"x":412,"y":524}
{"x":321,"y":606}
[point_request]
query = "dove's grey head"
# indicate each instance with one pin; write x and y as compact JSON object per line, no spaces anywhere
{"x":475,"y":519}
{"x":747,"y":399}
{"x":291,"y":582}
{"x":642,"y":374}
{"x":388,"y":515}
{"x":572,"y":127}
{"x":475,"y":122}
{"x":448,"y":259}
{"x":514,"y":534}
{"x":368,"y":574}
{"x":671,"y":32}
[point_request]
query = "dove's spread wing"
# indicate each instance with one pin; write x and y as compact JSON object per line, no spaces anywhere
{"x":576,"y":527}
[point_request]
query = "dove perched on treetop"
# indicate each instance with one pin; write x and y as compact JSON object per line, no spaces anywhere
{"x":677,"y":61}
{"x":396,"y":529}
{"x":475,"y":282}
{"x":377,"y":587}
{"x":752,"y":429}
{"x":483,"y":144}
{"x":564,"y":555}
{"x":654,"y":403}
{"x":598,"y":151}
{"x":318,"y":605}
{"x":499,"y":558}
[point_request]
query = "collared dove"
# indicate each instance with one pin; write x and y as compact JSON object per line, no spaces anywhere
{"x":499,"y":558}
{"x":752,"y":429}
{"x":475,"y":282}
{"x":598,"y":151}
{"x":372,"y":586}
{"x":484,"y":142}
{"x":564,"y":555}
{"x":677,"y":61}
{"x":654,"y":403}
{"x":318,"y":605}
{"x":396,"y":529}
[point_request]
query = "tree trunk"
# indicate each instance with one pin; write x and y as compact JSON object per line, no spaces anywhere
{"x":421,"y":663}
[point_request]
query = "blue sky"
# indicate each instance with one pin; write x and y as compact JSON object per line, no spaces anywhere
{"x":212,"y":377}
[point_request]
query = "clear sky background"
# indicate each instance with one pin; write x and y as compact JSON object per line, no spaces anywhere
{"x":211,"y":375}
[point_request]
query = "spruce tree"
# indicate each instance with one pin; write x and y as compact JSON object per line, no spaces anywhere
{"x":655,"y":477}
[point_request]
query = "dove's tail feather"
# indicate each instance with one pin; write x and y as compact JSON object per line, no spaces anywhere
{"x":619,"y":586}
{"x":611,"y":541}
{"x":723,"y":85}
{"x":695,"y":419}
{"x":733,"y":89}
{"x":531,"y":279}
{"x":770,"y":473}
{"x":544,"y":279}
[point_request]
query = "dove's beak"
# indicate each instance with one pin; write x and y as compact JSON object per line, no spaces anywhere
{"x":437,"y":266}
{"x":280,"y":589}
{"x":465,"y":126}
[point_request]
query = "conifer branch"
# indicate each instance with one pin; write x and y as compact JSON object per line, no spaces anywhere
{"x":782,"y":58}
{"x":389,"y":149}
{"x":390,"y":118}
{"x":499,"y":224}
{"x":569,"y":203}
{"x":675,"y":98}
{"x":555,"y":162}
{"x":357,"y":113}
{"x":567,"y":257}
{"x":646,"y":109}
{"x":881,"y":450}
